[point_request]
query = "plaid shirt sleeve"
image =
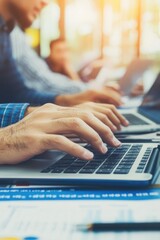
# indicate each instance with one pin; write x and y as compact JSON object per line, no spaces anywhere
{"x":11,"y":113}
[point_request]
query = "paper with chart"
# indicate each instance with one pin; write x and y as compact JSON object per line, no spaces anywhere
{"x":53,"y":214}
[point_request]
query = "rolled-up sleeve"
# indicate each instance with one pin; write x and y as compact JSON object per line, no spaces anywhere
{"x":12,"y":113}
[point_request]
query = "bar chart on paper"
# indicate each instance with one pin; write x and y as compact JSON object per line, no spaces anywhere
{"x":43,"y":214}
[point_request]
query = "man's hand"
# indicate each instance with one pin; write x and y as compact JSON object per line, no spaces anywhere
{"x":43,"y":129}
{"x":114,"y":86}
{"x":100,"y":96}
{"x":138,"y":89}
{"x":107,"y":113}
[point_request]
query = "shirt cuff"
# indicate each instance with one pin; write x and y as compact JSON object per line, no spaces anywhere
{"x":12,"y":113}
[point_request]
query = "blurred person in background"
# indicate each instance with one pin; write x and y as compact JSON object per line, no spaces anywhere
{"x":37,"y":76}
{"x":59,"y":59}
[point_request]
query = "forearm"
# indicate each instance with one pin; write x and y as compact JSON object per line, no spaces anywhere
{"x":15,"y":144}
{"x":67,"y":100}
{"x":74,"y":99}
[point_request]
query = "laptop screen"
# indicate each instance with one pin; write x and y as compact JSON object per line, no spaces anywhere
{"x":150,"y":106}
{"x":151,"y":113}
{"x":152,"y":97}
{"x":134,"y":72}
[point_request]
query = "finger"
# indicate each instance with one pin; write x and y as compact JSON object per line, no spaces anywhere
{"x":112,"y":115}
{"x":112,"y":118}
{"x":121,"y":118}
{"x":115,"y":117}
{"x":105,"y":120}
{"x":80,"y":128}
{"x":84,"y":131}
{"x":103,"y":98}
{"x":63,"y":144}
{"x":113,"y":86}
{"x":88,"y":130}
{"x":102,"y":130}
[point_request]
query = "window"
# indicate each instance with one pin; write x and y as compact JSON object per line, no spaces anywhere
{"x":118,"y":30}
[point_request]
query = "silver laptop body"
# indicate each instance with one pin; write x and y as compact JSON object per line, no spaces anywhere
{"x":52,"y":168}
{"x":148,"y":113}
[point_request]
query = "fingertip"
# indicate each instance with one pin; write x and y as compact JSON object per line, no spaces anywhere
{"x":104,"y":149}
{"x":114,"y":128}
{"x":87,"y":155}
{"x":119,"y":128}
{"x":116,"y":142}
{"x":126,"y":123}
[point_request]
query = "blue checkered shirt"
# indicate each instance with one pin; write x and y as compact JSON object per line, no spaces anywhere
{"x":11,"y":113}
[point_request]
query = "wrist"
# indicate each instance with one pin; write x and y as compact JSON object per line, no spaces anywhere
{"x":64,"y":100}
{"x":74,"y":99}
{"x":30,"y":110}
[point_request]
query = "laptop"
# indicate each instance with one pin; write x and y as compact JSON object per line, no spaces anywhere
{"x":126,"y":78}
{"x":145,"y":118}
{"x":131,"y":164}
{"x":134,"y":72}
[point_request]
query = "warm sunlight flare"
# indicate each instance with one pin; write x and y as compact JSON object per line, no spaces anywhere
{"x":115,"y":29}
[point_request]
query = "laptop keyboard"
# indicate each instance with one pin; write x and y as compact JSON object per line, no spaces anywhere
{"x":134,"y":120}
{"x":116,"y":161}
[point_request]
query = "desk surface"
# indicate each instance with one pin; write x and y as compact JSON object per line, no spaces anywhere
{"x":51,"y":214}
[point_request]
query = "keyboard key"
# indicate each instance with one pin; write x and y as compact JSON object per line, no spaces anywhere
{"x":75,"y":164}
{"x":57,"y":170}
{"x":122,"y":166}
{"x":104,"y":171}
{"x":108,"y":167}
{"x":72,"y":170}
{"x":69,"y":157}
{"x":144,"y":160}
{"x":139,"y":170}
{"x":121,"y":171}
{"x":87,"y":171}
{"x":93,"y":165}
{"x":80,"y":161}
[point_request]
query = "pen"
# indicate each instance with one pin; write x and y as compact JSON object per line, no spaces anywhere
{"x":135,"y":226}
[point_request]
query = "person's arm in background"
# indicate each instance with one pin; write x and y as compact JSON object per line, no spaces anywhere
{"x":98,"y":96}
{"x":36,"y":73}
{"x":69,"y":71}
